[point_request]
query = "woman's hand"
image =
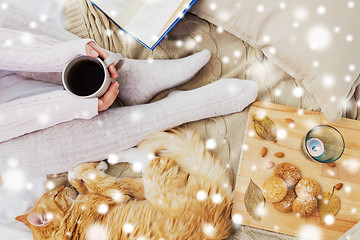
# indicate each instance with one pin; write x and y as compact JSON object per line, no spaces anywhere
{"x":109,"y":97}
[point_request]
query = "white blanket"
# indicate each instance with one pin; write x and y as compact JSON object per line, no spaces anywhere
{"x":19,"y":195}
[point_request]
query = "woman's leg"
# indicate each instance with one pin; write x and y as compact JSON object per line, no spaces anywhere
{"x":60,"y":148}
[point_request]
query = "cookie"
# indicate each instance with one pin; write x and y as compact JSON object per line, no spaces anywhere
{"x":307,"y":186}
{"x":305,"y":206}
{"x":289,"y":173}
{"x":286,"y":204}
{"x":274,"y":189}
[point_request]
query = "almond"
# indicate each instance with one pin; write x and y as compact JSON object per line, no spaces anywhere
{"x":263,"y":151}
{"x":338,"y":186}
{"x":279,"y":154}
{"x":332,"y":164}
{"x":289,"y":121}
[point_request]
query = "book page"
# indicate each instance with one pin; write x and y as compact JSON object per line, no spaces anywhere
{"x":176,"y":15}
{"x":150,"y":19}
{"x":121,"y":11}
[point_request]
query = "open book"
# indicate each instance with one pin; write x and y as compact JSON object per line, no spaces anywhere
{"x":146,"y":20}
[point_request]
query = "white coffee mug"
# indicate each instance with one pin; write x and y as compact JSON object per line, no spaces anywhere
{"x":88,"y":77}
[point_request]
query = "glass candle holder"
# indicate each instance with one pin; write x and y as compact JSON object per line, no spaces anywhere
{"x":323,"y":143}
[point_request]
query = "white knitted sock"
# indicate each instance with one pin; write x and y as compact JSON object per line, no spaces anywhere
{"x":61,"y":147}
{"x":141,"y":80}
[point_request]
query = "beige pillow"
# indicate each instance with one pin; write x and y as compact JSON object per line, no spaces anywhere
{"x":315,"y":41}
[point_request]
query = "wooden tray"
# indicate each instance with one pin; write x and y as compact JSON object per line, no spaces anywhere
{"x":347,"y":171}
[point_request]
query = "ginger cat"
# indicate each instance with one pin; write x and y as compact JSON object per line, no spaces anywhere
{"x":184,"y":194}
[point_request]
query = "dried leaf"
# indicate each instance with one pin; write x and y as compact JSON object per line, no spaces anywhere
{"x":329,"y":204}
{"x":254,"y":201}
{"x":265,"y":128}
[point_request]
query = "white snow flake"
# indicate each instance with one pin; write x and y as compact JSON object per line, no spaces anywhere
{"x":318,"y":37}
{"x":213,"y":6}
{"x":113,"y":159}
{"x":266,"y":39}
{"x":336,"y":29}
{"x":281,"y":134}
{"x":349,"y":38}
{"x":301,"y":14}
{"x":198,"y":38}
{"x":237,"y":218}
{"x":329,"y":219}
{"x":179,"y":43}
{"x":117,"y":196}
{"x":277,"y":92}
{"x":128,"y":228}
{"x":347,"y":78}
{"x":237,"y":53}
{"x":316,"y":64}
{"x":50,"y":185}
{"x":210,"y":143}
{"x":4,"y":6}
{"x":209,"y":229}
{"x":351,"y":67}
{"x":137,"y":166}
{"x":201,"y":195}
{"x":225,"y":60}
{"x":298,"y":92}
{"x":328,"y":81}
{"x":113,"y":13}
{"x":33,"y":24}
{"x":351,"y":4}
{"x":245,"y":147}
{"x":103,"y":208}
{"x":321,"y":10}
{"x":43,"y":17}
{"x":272,"y":50}
{"x":260,"y":8}
{"x":216,"y":198}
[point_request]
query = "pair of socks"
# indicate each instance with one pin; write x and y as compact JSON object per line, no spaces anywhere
{"x":141,"y":80}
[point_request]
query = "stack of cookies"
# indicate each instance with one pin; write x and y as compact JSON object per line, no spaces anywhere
{"x":279,"y":190}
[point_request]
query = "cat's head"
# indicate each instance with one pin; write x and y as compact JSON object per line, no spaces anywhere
{"x":45,"y":218}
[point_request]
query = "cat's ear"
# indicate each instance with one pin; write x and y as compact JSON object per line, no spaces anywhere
{"x":37,"y":219}
{"x":22,"y":218}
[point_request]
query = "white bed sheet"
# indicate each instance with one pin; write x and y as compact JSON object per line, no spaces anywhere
{"x":18,"y":195}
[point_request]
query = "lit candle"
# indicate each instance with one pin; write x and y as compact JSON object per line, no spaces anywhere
{"x":315,"y":147}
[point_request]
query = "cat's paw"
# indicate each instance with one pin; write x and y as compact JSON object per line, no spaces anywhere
{"x":102,"y":166}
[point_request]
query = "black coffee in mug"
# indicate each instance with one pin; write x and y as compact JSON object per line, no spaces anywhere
{"x":85,"y":77}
